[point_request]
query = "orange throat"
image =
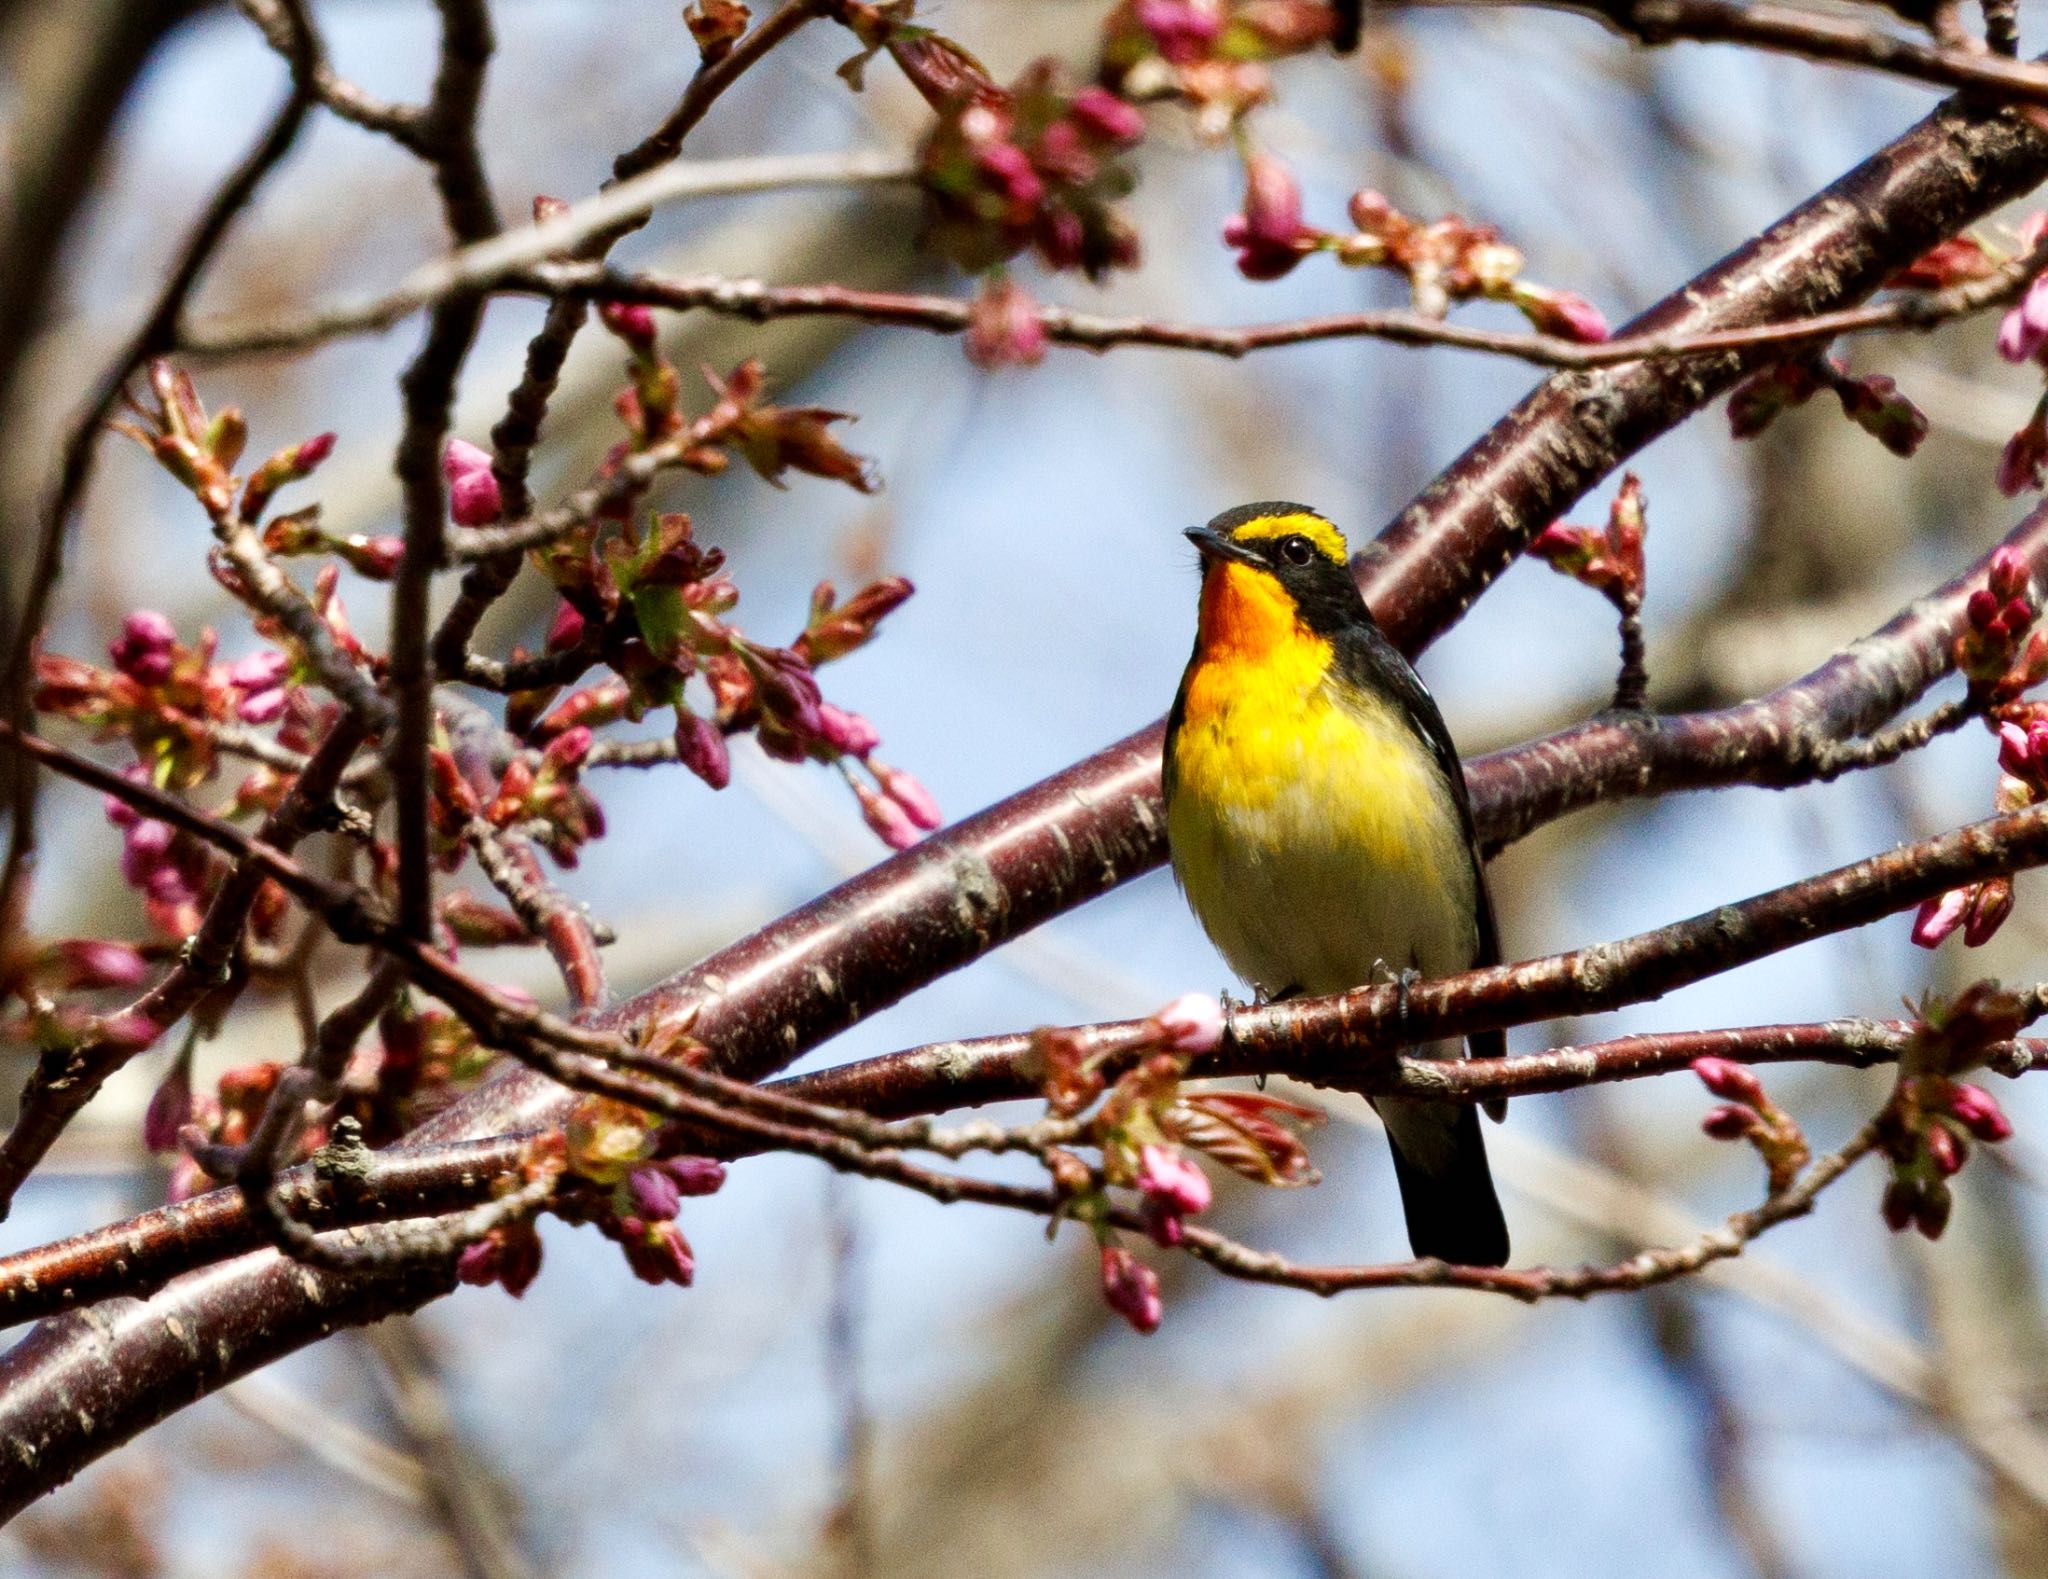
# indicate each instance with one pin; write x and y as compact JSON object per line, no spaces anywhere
{"x":1246,"y":617}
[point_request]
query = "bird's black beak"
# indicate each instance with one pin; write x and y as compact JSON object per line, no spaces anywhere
{"x":1214,"y":545}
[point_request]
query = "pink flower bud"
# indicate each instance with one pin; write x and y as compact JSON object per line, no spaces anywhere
{"x":1978,"y":1112}
{"x":170,"y":1108}
{"x":1192,"y":1023}
{"x":1730,"y":1122}
{"x":1165,"y":1226}
{"x":1269,"y":233}
{"x":473,"y":496}
{"x":913,"y":797}
{"x":1901,"y":1203}
{"x":1990,"y":904}
{"x":101,"y":962}
{"x":1165,"y":1175}
{"x":892,"y":825}
{"x":2015,"y":750}
{"x":658,"y":1253}
{"x":696,"y":1175}
{"x":1011,"y":168}
{"x":261,"y":707}
{"x":1946,"y":1152}
{"x":568,"y":750}
{"x":1005,"y":327}
{"x":1729,"y":1080}
{"x":653,"y":1193}
{"x":700,"y":747}
{"x":846,"y":732}
{"x":1131,"y":1288}
{"x":1563,"y":313}
{"x":311,"y":452}
{"x":567,"y":630}
{"x":143,"y":649}
{"x":143,"y":848}
{"x":260,"y":671}
{"x":1939,"y":916}
{"x":2009,"y":576}
{"x":1107,"y":116}
{"x":630,"y":321}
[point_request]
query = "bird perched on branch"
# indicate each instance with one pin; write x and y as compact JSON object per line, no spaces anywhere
{"x":1320,"y":829}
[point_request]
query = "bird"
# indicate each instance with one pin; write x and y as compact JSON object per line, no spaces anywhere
{"x":1319,"y":827}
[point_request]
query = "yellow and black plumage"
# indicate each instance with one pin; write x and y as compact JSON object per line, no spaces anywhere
{"x":1319,"y":824}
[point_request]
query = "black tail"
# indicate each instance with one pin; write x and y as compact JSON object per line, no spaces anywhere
{"x":1452,"y":1211}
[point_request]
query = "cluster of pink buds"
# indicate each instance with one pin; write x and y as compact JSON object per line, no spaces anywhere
{"x":642,"y":1217}
{"x":1748,"y":1114}
{"x":508,"y":1254}
{"x":166,"y":697}
{"x":169,"y":870}
{"x":657,"y":603}
{"x":1999,"y":651}
{"x":1147,"y":1123}
{"x":1450,"y":260}
{"x":1608,"y":559}
{"x":1872,"y":402}
{"x":33,"y":972}
{"x":1210,"y":55}
{"x":1927,"y":1133}
{"x":539,"y":794}
{"x":1034,"y":166}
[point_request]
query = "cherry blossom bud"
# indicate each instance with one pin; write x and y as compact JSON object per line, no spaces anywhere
{"x":1011,"y":168}
{"x":2024,"y":330}
{"x":1131,"y":1288}
{"x":1978,"y":1112}
{"x":1562,"y":313}
{"x":913,"y":797}
{"x":143,"y":649}
{"x":1901,"y":1202}
{"x":892,"y":825}
{"x":1107,"y":116}
{"x":567,"y":629}
{"x":1939,"y":916}
{"x":101,"y":962}
{"x":630,"y":321}
{"x":1182,"y":31}
{"x":1005,"y":327}
{"x":695,"y":1175}
{"x":1730,"y":1122}
{"x":658,"y":1253}
{"x":311,"y":452}
{"x":700,"y":747}
{"x":260,"y":671}
{"x":2009,"y":575}
{"x":846,"y":732}
{"x":1192,"y":1023}
{"x":653,"y":1193}
{"x":1946,"y":1152}
{"x":170,"y":1108}
{"x":261,"y":707}
{"x":1269,"y":233}
{"x":1990,"y":904}
{"x":473,"y":496}
{"x":1729,"y":1080}
{"x":1165,"y":1175}
{"x":2015,"y":750}
{"x":1165,"y":1227}
{"x":567,"y":751}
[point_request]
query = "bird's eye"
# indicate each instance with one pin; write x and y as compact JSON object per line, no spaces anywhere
{"x":1297,"y":550}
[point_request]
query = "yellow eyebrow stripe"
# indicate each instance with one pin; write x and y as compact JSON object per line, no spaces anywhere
{"x":1328,"y":540}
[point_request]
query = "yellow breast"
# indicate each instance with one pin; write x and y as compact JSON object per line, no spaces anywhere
{"x":1314,"y":833}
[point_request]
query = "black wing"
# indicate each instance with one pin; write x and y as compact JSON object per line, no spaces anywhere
{"x":1366,"y":656}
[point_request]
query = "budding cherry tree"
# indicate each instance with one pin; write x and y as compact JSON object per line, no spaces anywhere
{"x":293,"y":800}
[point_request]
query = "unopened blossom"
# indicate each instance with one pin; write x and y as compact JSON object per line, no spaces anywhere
{"x":1005,"y":327}
{"x":1131,"y":1288}
{"x":2024,"y":329}
{"x":1729,"y":1080}
{"x":630,"y":321}
{"x":882,"y":813}
{"x":1979,"y":1112}
{"x":143,"y":649}
{"x":1108,"y":116}
{"x":701,"y":747}
{"x":1269,"y":234}
{"x":1564,"y":313}
{"x":846,"y":732}
{"x":1938,"y":916}
{"x":473,"y":495}
{"x":1192,"y":1023}
{"x":1164,"y":1175}
{"x":101,"y":962}
{"x":907,"y":792}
